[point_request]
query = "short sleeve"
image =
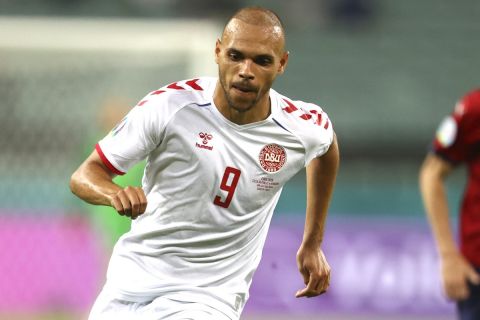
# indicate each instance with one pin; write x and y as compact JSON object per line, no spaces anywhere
{"x":321,"y":136}
{"x":458,"y":135}
{"x":133,"y":138}
{"x":448,"y":143}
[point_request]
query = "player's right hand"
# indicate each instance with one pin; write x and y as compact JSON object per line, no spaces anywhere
{"x":129,"y":201}
{"x":456,"y":274}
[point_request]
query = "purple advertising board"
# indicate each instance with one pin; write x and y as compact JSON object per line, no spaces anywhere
{"x":379,"y":266}
{"x":48,"y":262}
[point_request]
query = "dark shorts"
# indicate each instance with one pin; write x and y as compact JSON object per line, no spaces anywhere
{"x":470,"y":309}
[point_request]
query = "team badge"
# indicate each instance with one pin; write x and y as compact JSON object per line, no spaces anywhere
{"x":447,"y":132}
{"x":272,"y":157}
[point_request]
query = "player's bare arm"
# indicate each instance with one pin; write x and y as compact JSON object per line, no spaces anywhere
{"x":311,"y":262}
{"x":92,"y":182}
{"x":455,"y":270}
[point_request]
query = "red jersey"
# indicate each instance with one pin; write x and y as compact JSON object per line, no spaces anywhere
{"x":458,"y":141}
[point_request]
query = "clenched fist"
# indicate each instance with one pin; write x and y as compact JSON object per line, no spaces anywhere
{"x":129,"y":201}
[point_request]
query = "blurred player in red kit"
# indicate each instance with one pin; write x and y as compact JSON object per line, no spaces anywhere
{"x":457,"y":142}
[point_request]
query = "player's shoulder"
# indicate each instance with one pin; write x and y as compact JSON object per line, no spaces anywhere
{"x":301,"y":115}
{"x":307,"y":121}
{"x":469,"y":103}
{"x":179,"y":94}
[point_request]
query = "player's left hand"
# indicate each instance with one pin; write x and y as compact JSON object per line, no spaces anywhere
{"x":315,"y":270}
{"x":456,"y":273}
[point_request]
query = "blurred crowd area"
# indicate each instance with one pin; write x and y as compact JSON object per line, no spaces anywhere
{"x":300,"y":13}
{"x":386,"y":72}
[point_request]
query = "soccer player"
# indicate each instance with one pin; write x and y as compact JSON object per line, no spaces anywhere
{"x":457,"y":141}
{"x":218,"y":153}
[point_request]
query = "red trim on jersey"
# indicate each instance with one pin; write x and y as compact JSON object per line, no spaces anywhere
{"x":158,"y":92}
{"x":193,"y":84}
{"x":306,"y":116}
{"x":106,"y":162}
{"x":291,"y":107}
{"x":141,"y":103}
{"x":319,"y":119}
{"x":175,"y":86}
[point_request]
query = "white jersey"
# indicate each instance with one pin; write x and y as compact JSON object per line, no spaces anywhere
{"x":211,"y":186}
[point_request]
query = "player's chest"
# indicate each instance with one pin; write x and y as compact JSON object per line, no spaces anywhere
{"x":261,"y":158}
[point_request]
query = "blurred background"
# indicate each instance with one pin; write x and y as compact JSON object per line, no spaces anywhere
{"x":386,"y":72}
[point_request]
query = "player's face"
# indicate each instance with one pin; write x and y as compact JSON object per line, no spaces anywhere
{"x":249,"y":58}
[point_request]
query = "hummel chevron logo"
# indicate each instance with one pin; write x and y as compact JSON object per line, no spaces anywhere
{"x":205,"y":139}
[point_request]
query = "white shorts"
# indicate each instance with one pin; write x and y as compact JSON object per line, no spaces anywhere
{"x":107,"y":307}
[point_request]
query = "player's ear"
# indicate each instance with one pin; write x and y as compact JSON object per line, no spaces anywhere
{"x":218,"y":44}
{"x":283,"y":62}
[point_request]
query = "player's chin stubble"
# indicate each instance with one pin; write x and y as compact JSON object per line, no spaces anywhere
{"x":232,"y":104}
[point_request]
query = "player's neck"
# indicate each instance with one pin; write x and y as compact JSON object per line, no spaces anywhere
{"x":258,"y":112}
